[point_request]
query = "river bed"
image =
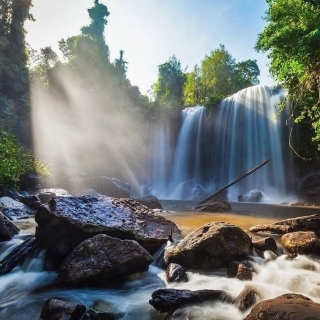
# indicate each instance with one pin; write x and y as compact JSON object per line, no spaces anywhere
{"x":22,"y":292}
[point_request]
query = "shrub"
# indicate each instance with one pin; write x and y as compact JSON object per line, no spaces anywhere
{"x":15,"y":161}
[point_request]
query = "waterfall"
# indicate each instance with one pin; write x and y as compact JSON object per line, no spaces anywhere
{"x":248,"y":131}
{"x":186,"y":170}
{"x":213,"y":150}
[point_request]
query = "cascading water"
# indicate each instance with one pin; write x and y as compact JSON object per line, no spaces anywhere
{"x":212,"y":151}
{"x":248,"y":132}
{"x":186,"y":170}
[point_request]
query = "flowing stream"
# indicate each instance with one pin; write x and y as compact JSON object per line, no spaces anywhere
{"x":24,"y":291}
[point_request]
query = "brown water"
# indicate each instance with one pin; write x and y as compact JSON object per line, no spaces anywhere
{"x":243,"y":215}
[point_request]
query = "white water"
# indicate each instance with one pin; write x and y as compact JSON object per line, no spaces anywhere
{"x":19,"y":298}
{"x":248,"y":132}
{"x":209,"y":154}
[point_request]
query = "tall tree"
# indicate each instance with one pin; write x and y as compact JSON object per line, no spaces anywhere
{"x":98,"y":15}
{"x":292,"y":41}
{"x":168,"y":90}
{"x":14,"y":77}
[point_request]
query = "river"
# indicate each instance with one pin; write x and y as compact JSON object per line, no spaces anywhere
{"x":24,"y":291}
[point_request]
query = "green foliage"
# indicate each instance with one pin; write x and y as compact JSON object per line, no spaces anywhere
{"x":15,"y":161}
{"x":292,"y":40}
{"x":218,"y":76}
{"x":168,"y":90}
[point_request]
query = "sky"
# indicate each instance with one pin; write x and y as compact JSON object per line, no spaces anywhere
{"x":151,"y":31}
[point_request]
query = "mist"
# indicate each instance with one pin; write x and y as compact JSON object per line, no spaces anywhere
{"x":82,"y":131}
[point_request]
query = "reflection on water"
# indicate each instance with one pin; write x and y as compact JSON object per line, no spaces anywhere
{"x":22,"y":292}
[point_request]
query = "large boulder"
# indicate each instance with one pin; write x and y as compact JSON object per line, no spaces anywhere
{"x":15,"y":210}
{"x":213,"y":245}
{"x":97,"y":261}
{"x":110,"y":187}
{"x":289,"y":306}
{"x":302,"y":242}
{"x":7,"y":228}
{"x":64,"y":222}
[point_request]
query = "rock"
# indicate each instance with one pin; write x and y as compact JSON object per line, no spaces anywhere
{"x":213,"y":245}
{"x":241,"y":270}
{"x":107,"y":186}
{"x":176,"y":273}
{"x":289,"y":306}
{"x":56,"y":309}
{"x":66,"y":221}
{"x":11,"y":193}
{"x":7,"y":228}
{"x":265,"y":244}
{"x":253,"y":196}
{"x":164,"y":300}
{"x":97,"y":261}
{"x":32,"y":201}
{"x":214,"y":206}
{"x":301,"y":242}
{"x":309,"y":189}
{"x":14,"y":210}
{"x":102,"y":310}
{"x":246,"y":299}
{"x":304,"y":223}
{"x":151,"y":202}
{"x":17,"y":255}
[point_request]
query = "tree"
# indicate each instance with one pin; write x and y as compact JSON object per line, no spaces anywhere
{"x":98,"y":15}
{"x":292,"y":41}
{"x":192,"y":88}
{"x":14,"y":76}
{"x":168,"y":90}
{"x":219,"y":76}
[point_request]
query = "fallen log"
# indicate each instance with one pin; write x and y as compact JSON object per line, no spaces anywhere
{"x":235,"y":181}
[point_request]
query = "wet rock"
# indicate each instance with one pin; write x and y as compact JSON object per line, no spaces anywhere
{"x":17,"y":255}
{"x":97,"y":261}
{"x":164,"y":300}
{"x":15,"y":210}
{"x":56,"y":309}
{"x":241,"y":270}
{"x":110,"y":187}
{"x":7,"y":228}
{"x":11,"y":193}
{"x":309,"y":189}
{"x":32,"y":201}
{"x":304,"y":223}
{"x":214,"y":206}
{"x":307,"y":242}
{"x":287,"y":307}
{"x":246,"y":299}
{"x":102,"y":310}
{"x":30,"y":181}
{"x":176,"y":273}
{"x":265,"y":244}
{"x":253,"y":196}
{"x":151,"y":202}
{"x":213,"y":245}
{"x":66,"y":221}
